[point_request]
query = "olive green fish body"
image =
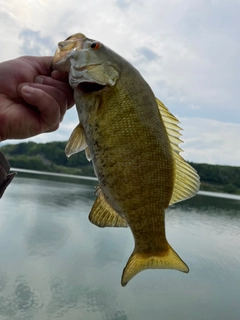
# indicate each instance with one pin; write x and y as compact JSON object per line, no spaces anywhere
{"x":123,"y":132}
{"x":132,"y":155}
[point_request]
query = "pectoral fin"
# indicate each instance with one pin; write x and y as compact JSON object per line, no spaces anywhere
{"x":76,"y":142}
{"x":186,"y":180}
{"x":88,"y":154}
{"x":103,"y":215}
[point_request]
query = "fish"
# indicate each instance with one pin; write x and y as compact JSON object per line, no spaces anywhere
{"x":5,"y":177}
{"x":133,"y":142}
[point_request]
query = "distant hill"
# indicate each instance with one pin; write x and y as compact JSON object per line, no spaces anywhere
{"x":218,"y":178}
{"x":46,"y":157}
{"x":51,"y":157}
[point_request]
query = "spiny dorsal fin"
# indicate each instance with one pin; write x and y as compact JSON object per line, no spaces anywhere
{"x":76,"y":142}
{"x":186,"y":182}
{"x":171,"y":125}
{"x":103,"y":215}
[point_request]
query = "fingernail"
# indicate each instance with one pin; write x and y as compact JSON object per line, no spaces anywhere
{"x":38,"y":79}
{"x":27,"y":90}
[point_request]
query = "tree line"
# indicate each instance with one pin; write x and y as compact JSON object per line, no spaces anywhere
{"x":51,"y":157}
{"x":46,"y":157}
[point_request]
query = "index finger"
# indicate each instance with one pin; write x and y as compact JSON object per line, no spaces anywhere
{"x":61,"y":76}
{"x":60,"y":85}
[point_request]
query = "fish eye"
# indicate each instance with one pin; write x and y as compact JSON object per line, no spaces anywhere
{"x":95,"y":45}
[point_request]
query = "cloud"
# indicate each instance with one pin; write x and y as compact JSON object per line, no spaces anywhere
{"x":123,"y":4}
{"x":148,"y":54}
{"x":197,"y":43}
{"x":188,"y":51}
{"x":210,"y":141}
{"x":34,"y":44}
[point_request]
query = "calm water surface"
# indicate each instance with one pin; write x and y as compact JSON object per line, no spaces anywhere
{"x":56,"y":265}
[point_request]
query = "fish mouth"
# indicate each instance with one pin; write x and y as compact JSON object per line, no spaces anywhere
{"x":89,"y":87}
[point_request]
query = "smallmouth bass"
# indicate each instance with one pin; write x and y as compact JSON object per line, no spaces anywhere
{"x":132,"y":140}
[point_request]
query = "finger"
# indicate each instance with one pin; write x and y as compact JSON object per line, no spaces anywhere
{"x":41,"y":64}
{"x":48,"y":107}
{"x":64,"y":87}
{"x":58,"y":95}
{"x":61,"y":76}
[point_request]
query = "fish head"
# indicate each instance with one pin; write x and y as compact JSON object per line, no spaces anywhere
{"x":91,"y":65}
{"x":61,"y":59}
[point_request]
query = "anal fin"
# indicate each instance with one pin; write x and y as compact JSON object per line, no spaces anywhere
{"x":103,"y":215}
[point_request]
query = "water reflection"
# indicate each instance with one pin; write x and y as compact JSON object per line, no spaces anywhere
{"x":56,"y":264}
{"x":46,"y":237}
{"x":18,"y":299}
{"x":25,"y":298}
{"x":212,"y":205}
{"x":89,"y":302}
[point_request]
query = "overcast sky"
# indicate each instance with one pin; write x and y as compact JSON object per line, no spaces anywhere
{"x":187,"y":50}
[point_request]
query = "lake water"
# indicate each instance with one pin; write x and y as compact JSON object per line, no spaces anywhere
{"x":56,"y":265}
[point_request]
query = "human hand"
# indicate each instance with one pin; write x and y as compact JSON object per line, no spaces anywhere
{"x":5,"y":176}
{"x":32,"y":99}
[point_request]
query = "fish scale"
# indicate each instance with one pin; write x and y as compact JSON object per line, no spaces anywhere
{"x":132,"y":140}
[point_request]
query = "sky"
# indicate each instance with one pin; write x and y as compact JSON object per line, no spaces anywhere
{"x":188,"y":51}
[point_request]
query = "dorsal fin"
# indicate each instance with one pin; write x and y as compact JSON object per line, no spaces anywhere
{"x":171,"y":125}
{"x":186,"y":181}
{"x":103,"y":215}
{"x":76,"y":142}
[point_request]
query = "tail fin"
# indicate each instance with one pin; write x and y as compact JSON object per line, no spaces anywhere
{"x":141,"y":261}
